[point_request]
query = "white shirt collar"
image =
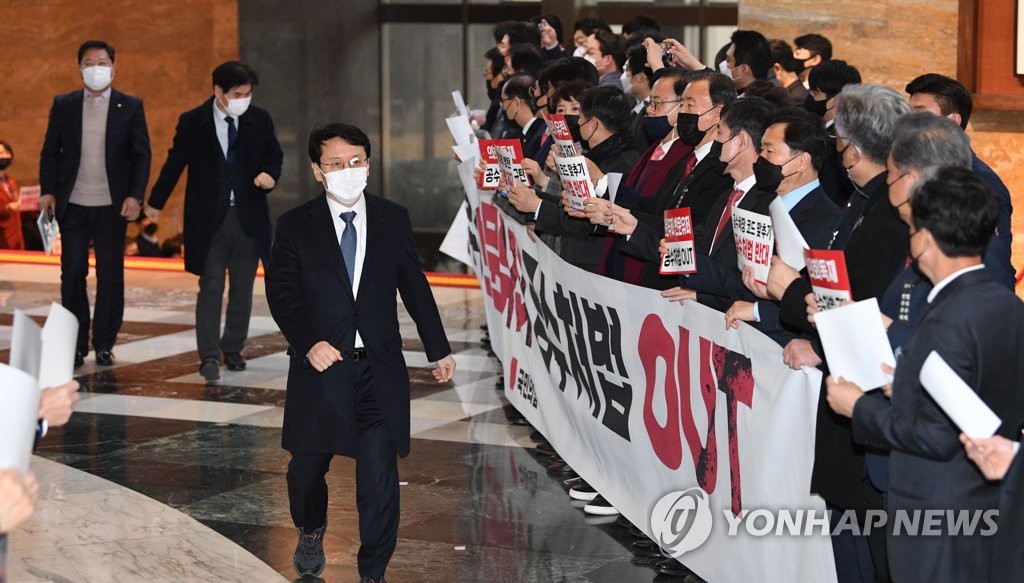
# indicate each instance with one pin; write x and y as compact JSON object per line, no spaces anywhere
{"x":337,"y":208}
{"x":526,"y":127}
{"x":703,"y":151}
{"x":938,"y":287}
{"x":746,"y":184}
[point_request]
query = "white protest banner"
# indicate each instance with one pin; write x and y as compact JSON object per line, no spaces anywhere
{"x":491,"y":176}
{"x":680,"y":258}
{"x":646,"y":401}
{"x":26,"y":344}
{"x":829,"y":281}
{"x":575,"y":180}
{"x":755,"y":241}
{"x":787,"y":236}
{"x":563,"y":146}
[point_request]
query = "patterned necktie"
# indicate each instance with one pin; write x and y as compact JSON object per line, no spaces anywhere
{"x":734,"y":197}
{"x":348,"y":244}
{"x":232,"y":139}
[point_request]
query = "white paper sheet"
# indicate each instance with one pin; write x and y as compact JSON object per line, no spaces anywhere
{"x":460,"y":104}
{"x":788,"y":240}
{"x":466,"y":151}
{"x":614,"y":179}
{"x":26,"y":344}
{"x":460,"y":129}
{"x":957,"y":399}
{"x":59,"y":338}
{"x":19,"y":405}
{"x":855,"y":343}
{"x":469,"y":184}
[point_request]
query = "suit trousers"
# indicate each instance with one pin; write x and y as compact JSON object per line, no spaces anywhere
{"x":233,"y":251}
{"x":104,"y":227}
{"x":377,"y":492}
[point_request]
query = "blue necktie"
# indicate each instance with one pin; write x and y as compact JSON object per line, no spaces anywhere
{"x":232,"y":139}
{"x":348,"y":244}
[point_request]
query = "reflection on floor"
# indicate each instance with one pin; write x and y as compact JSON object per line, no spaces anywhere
{"x":161,"y":477}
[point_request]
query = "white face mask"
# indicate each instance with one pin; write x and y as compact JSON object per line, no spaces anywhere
{"x":590,"y":59}
{"x":580,"y":51}
{"x":237,"y":107}
{"x":627,"y":87}
{"x":98,"y":78}
{"x":346,"y":185}
{"x":724,"y":69}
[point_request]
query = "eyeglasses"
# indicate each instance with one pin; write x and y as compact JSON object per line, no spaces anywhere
{"x":655,"y":103}
{"x":354,"y":162}
{"x":889,"y":184}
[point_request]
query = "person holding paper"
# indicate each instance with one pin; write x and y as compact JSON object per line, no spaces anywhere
{"x":975,"y":325}
{"x":339,"y":262}
{"x":234,"y":161}
{"x":792,"y":151}
{"x":93,"y":171}
{"x":604,"y":112}
{"x":10,"y":203}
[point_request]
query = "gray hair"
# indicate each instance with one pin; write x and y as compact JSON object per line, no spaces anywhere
{"x":866,"y":115}
{"x":924,"y":140}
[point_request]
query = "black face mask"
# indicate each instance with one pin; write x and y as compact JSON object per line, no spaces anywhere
{"x":769,"y":176}
{"x":573,"y":121}
{"x":816,"y":107}
{"x":716,"y":149}
{"x":5,"y":162}
{"x":656,"y":128}
{"x":686,"y":127}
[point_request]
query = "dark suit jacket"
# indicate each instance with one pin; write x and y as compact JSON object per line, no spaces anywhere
{"x":311,"y":299}
{"x":977,"y":326}
{"x":127,"y":148}
{"x":997,"y":255}
{"x":211,"y":179}
{"x":532,"y":138}
{"x":717,"y":272}
{"x":699,"y":191}
{"x":581,"y":243}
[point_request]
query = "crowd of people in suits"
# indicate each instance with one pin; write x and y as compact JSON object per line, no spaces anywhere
{"x":889,"y":179}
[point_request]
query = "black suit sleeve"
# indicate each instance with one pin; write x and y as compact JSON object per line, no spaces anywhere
{"x":49,"y":157}
{"x":912,"y":423}
{"x":793,"y":308}
{"x":141,"y":155}
{"x":416,"y":294}
{"x":644,"y":243}
{"x":177,"y":159}
{"x":284,"y":294}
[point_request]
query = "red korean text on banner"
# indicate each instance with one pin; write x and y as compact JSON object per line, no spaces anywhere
{"x":561,"y":136}
{"x":491,"y":176}
{"x":681,"y":258}
{"x":827,"y":272}
{"x":755,"y":240}
{"x":575,"y":180}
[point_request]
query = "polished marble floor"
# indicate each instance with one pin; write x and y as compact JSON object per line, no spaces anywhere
{"x":160,"y":476}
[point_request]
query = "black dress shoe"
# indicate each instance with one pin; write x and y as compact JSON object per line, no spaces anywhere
{"x":646,"y":548}
{"x":105,"y":358}
{"x":561,"y":469}
{"x":234,"y":361}
{"x":210,"y":369}
{"x":79,"y":359}
{"x":673,"y":568}
{"x":545,"y":449}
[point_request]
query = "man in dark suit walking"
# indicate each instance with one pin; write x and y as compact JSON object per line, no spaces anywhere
{"x":234,"y":160}
{"x":977,"y":327}
{"x":93,"y":170}
{"x":336,"y":265}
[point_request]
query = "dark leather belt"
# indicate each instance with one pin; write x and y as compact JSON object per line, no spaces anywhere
{"x":356,"y":354}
